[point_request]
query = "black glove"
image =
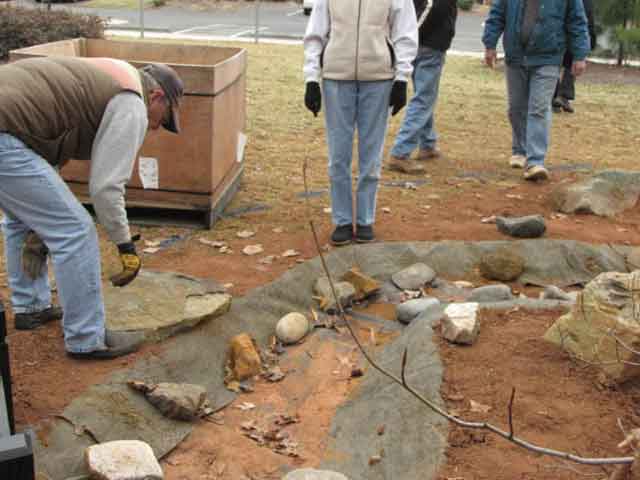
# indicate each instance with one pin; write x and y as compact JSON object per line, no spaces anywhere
{"x":130,"y":264}
{"x":398,"y":97}
{"x":34,"y":255}
{"x":313,"y":97}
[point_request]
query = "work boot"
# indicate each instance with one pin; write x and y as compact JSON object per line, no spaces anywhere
{"x":405,"y":165}
{"x":536,"y":173}
{"x":429,"y":153}
{"x":342,"y":235}
{"x":517,"y":161}
{"x":118,"y":344}
{"x":29,"y":321}
{"x":364,"y":234}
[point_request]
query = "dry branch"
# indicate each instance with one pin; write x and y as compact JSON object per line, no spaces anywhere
{"x":428,"y":403}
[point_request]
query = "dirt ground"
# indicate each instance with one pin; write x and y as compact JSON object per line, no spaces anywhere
{"x":558,"y":403}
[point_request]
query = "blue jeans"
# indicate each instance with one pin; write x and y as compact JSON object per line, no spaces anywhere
{"x":417,"y":127}
{"x":34,"y":197}
{"x":365,"y":105}
{"x":530,"y":93}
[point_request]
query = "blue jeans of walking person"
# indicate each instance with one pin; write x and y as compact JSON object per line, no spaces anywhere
{"x":33,"y":196}
{"x":530,"y":92}
{"x":417,"y":129}
{"x":365,"y":106}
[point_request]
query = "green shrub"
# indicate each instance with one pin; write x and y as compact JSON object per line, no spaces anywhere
{"x":465,"y":4}
{"x":24,"y":27}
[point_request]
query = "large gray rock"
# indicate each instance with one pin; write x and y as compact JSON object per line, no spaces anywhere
{"x":345,"y":291}
{"x":161,"y":304}
{"x":503,"y":265}
{"x":312,"y":474}
{"x":530,"y":226}
{"x":491,"y":293}
{"x":292,"y":328}
{"x":122,"y":460}
{"x":414,"y":277}
{"x":606,"y":194}
{"x":551,"y":292}
{"x":410,"y":309}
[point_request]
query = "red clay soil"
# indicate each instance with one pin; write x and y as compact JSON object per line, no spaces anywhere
{"x":576,"y":415}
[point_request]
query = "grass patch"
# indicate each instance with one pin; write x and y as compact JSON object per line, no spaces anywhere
{"x":126,"y":4}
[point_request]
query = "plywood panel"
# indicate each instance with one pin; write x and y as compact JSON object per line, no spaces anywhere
{"x":66,"y":48}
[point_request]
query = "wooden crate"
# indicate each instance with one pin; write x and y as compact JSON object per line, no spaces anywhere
{"x":200,"y":169}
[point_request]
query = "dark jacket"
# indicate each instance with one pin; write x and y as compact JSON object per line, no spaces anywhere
{"x":561,"y":25}
{"x":588,"y":9}
{"x":439,"y":27}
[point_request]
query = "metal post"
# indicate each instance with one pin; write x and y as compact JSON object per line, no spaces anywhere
{"x":141,"y":18}
{"x":257,"y":31}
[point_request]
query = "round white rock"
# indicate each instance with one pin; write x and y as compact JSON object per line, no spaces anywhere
{"x":292,"y":328}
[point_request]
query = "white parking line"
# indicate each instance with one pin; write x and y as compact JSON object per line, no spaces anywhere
{"x":297,"y":12}
{"x":202,"y":27}
{"x":244,"y":32}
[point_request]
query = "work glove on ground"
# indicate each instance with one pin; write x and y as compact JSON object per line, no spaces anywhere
{"x":313,"y":97}
{"x":34,"y":255}
{"x":398,"y":97}
{"x":130,"y":263}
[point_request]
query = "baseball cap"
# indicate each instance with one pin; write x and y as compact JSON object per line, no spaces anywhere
{"x":173,"y":89}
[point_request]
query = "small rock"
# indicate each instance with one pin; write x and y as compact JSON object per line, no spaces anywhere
{"x":245,"y":234}
{"x":491,"y":293}
{"x":292,"y":328}
{"x":344,"y":290}
{"x":410,"y":309}
{"x":531,"y":226}
{"x":551,"y":292}
{"x":503,"y":265}
{"x":252,"y":249}
{"x":122,"y":460}
{"x":245,"y":360}
{"x":414,"y":277}
{"x":182,"y":401}
{"x":460,"y":323}
{"x":312,"y":474}
{"x":463,"y":284}
{"x":365,"y":286}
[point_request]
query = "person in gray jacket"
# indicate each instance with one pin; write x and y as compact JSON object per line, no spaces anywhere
{"x":362,"y":51}
{"x":51,"y":110}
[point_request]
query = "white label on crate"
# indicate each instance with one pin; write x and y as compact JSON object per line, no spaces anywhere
{"x":242,"y":142}
{"x":148,"y":171}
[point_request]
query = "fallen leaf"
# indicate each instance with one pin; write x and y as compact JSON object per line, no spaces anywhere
{"x":274,"y":374}
{"x":152,"y":243}
{"x":212,"y":243}
{"x":478,"y":407}
{"x":514,"y":196}
{"x":245,"y":234}
{"x":326,"y":210}
{"x":290,"y":253}
{"x":380,"y":430}
{"x":455,"y":397}
{"x":228,"y":285}
{"x":386,"y":210}
{"x":463,"y":284}
{"x":283,"y":419}
{"x":233,"y":386}
{"x":225,"y":249}
{"x":375,"y":459}
{"x":278,"y":230}
{"x":268,"y":260}
{"x":244,"y":406}
{"x":151,"y":250}
{"x":356,"y":372}
{"x":252,"y":249}
{"x":490,"y":219}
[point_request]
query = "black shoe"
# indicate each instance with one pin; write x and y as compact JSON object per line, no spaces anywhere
{"x":342,"y":235}
{"x":566,"y":106}
{"x":556,"y":105}
{"x":364,"y":234}
{"x":118,"y":344}
{"x":29,"y":321}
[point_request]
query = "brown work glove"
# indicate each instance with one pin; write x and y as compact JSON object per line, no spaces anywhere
{"x":34,"y":255}
{"x":130,"y":264}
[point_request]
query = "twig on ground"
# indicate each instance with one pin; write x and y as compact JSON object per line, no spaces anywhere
{"x":428,"y":403}
{"x":513,"y":396}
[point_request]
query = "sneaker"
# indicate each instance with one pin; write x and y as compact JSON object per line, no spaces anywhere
{"x":342,"y":235}
{"x":429,"y":153}
{"x":566,"y":105}
{"x":29,"y":321}
{"x":118,"y":345}
{"x":364,"y":234}
{"x":556,"y":105}
{"x":404,"y":165}
{"x":517,"y":161}
{"x":536,"y":173}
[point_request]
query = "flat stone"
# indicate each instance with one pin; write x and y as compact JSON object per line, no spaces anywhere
{"x":410,"y":309}
{"x":460,"y":323}
{"x":344,"y":290}
{"x":414,"y":277}
{"x":122,"y":460}
{"x":530,"y":226}
{"x":245,"y":360}
{"x":365,"y":286}
{"x":312,"y":474}
{"x":292,"y":328}
{"x":551,"y":292}
{"x":491,"y":293}
{"x":606,"y":194}
{"x":503,"y":265}
{"x":161,"y":304}
{"x":609,"y":304}
{"x":181,"y":401}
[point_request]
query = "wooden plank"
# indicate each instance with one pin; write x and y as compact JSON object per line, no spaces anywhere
{"x":229,"y":70}
{"x":66,"y":48}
